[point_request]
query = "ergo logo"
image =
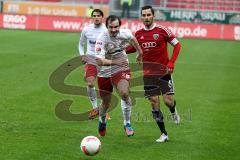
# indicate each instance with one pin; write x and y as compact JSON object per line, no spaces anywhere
{"x":149,"y":44}
{"x":14,"y":18}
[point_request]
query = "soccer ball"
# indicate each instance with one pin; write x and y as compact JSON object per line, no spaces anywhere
{"x":90,"y":145}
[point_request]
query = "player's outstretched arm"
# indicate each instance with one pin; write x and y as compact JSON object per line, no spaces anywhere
{"x":176,"y":50}
{"x":82,"y":41}
{"x":103,"y":62}
{"x":107,"y":62}
{"x":81,"y":44}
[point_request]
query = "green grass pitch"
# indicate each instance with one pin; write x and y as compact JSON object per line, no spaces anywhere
{"x":207,"y":83}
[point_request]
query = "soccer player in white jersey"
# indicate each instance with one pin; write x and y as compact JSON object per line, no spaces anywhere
{"x":89,"y":35}
{"x":114,"y":70}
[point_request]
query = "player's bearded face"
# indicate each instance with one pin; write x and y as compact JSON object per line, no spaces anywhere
{"x":113,"y":28}
{"x":147,"y":17}
{"x":97,"y":18}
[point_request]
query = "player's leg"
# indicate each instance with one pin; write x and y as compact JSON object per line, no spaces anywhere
{"x":105,"y":91}
{"x":102,"y":125}
{"x":92,"y":96}
{"x":123,"y":89}
{"x":121,"y":81}
{"x":171,"y":103}
{"x":168,"y":96}
{"x":152,"y":92}
{"x":158,"y":116}
{"x":90,"y":77}
{"x":91,"y":91}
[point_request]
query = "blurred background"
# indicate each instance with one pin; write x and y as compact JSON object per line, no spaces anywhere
{"x":186,"y":18}
{"x":197,"y":10}
{"x":163,"y":7}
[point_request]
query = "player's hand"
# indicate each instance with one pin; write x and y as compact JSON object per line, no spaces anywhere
{"x":139,"y":58}
{"x":84,"y":59}
{"x":99,"y":62}
{"x":120,"y":62}
{"x":170,"y":67}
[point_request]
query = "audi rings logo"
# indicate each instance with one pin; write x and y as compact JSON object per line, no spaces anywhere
{"x":149,"y":44}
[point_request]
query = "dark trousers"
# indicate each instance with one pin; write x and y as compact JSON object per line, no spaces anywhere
{"x":125,"y":8}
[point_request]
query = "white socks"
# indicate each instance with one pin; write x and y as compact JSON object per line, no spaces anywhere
{"x":126,"y":110}
{"x":102,"y":114}
{"x":92,"y":96}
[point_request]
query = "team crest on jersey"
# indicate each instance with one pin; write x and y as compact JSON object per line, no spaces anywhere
{"x":155,"y":36}
{"x":98,"y":49}
{"x":125,"y":75}
{"x":109,"y":46}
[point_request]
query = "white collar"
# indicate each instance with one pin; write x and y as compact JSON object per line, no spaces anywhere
{"x":148,"y":29}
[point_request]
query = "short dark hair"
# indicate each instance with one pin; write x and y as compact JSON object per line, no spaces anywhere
{"x":98,"y":11}
{"x":112,"y":18}
{"x":147,"y":7}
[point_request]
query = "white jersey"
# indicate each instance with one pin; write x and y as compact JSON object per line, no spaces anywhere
{"x":112,"y":48}
{"x":89,"y":35}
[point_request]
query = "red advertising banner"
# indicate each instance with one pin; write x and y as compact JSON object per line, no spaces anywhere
{"x":76,"y":24}
{"x":198,"y":30}
{"x":1,"y":20}
{"x":15,"y":21}
{"x":231,"y":32}
{"x":193,"y":30}
{"x":188,"y":30}
{"x":66,"y":24}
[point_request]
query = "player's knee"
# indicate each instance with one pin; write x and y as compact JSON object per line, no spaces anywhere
{"x":105,"y":104}
{"x":154,"y":101}
{"x":168,"y":103}
{"x":124,"y":95}
{"x":168,"y":100}
{"x":90,"y":84}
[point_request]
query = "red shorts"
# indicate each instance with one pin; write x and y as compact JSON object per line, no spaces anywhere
{"x":90,"y":70}
{"x":105,"y":85}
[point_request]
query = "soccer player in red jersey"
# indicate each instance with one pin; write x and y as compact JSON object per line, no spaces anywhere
{"x":157,"y":67}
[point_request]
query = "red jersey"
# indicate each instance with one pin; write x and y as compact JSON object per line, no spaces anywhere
{"x":154,"y":42}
